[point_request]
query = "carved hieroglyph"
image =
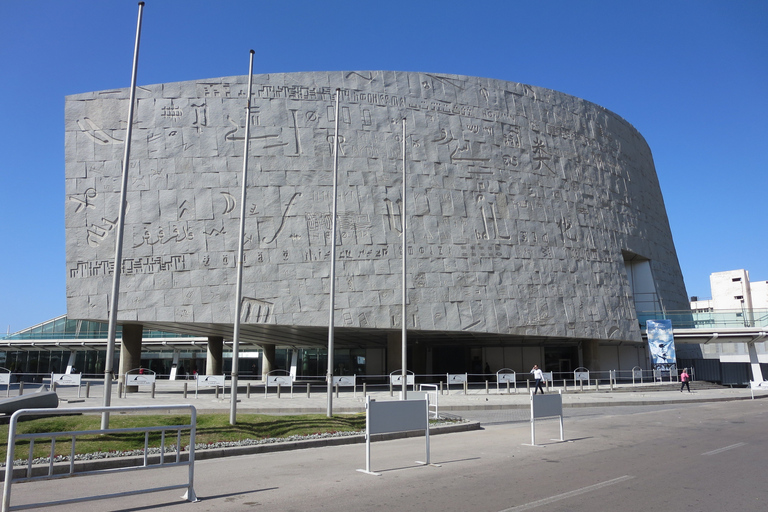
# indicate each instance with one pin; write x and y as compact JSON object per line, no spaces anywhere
{"x":522,"y":202}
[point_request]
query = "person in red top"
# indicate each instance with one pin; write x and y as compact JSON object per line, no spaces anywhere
{"x":685,"y":379}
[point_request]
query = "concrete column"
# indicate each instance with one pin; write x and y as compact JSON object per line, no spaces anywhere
{"x":417,"y":362}
{"x":754,"y":363}
{"x":590,"y":355}
{"x":394,"y":351}
{"x":214,"y":364}
{"x":268,"y":361}
{"x":130,"y":352}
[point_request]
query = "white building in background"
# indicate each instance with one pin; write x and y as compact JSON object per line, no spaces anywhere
{"x":738,"y":301}
{"x":732,"y":290}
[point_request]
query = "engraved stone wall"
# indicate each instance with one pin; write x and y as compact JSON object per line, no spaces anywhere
{"x":521,"y":201}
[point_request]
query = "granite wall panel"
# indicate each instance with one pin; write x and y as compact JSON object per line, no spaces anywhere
{"x":520,"y":203}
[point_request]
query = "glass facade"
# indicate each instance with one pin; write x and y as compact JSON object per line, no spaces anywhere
{"x":47,"y":348}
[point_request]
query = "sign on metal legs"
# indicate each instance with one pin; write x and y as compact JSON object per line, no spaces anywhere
{"x":546,"y":406}
{"x":383,"y":417}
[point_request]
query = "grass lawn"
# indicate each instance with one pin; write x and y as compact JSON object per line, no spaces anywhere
{"x":211,"y":428}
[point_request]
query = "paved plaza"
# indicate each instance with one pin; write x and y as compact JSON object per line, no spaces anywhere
{"x":639,"y":448}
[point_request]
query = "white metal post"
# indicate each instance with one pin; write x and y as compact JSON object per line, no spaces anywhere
{"x":332,"y":293}
{"x":239,"y":263}
{"x":404,"y":320}
{"x":113,"y":304}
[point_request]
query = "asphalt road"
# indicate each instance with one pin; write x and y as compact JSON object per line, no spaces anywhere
{"x":699,"y":457}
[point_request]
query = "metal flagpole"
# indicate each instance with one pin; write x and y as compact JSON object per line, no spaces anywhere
{"x":329,"y":376}
{"x":403,"y":321}
{"x":241,"y":238}
{"x":112,"y":330}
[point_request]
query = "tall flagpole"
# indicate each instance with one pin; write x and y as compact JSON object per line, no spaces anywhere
{"x":329,"y":374}
{"x":404,"y":320}
{"x":112,"y":330}
{"x":241,"y":239}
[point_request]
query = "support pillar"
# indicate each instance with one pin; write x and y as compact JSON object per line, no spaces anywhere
{"x":394,"y":351}
{"x":757,"y":373}
{"x":214,"y":363}
{"x":417,"y":358}
{"x":130,"y":353}
{"x":71,"y":362}
{"x":268,"y":361}
{"x":590,"y":355}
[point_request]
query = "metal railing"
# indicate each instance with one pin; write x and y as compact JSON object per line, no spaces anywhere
{"x":724,"y":319}
{"x":14,"y":437}
{"x":504,"y":383}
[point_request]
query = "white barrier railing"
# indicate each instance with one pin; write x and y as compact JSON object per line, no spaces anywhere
{"x":431,"y":389}
{"x":506,"y":381}
{"x":757,"y":386}
{"x":14,"y":437}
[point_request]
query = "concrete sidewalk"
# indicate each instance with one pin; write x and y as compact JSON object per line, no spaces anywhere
{"x":347,"y":401}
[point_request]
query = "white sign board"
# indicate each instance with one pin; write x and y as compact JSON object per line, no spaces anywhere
{"x":457,"y":378}
{"x":505,"y":377}
{"x":211,"y":380}
{"x":581,"y":376}
{"x":547,"y":376}
{"x":637,"y":374}
{"x":139,"y":379}
{"x":546,"y":406}
{"x":281,"y":380}
{"x":5,"y":379}
{"x":344,"y":380}
{"x":397,"y":379}
{"x":66,"y":379}
{"x":397,"y":416}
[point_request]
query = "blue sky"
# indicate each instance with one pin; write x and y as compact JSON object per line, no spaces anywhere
{"x":691,"y":76}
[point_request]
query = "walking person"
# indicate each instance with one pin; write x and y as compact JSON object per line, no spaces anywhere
{"x":539,"y":376}
{"x":685,"y":379}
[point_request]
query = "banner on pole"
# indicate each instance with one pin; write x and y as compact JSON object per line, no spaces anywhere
{"x":661,"y":342}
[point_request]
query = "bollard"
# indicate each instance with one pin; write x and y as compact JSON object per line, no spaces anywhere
{"x":365,"y":393}
{"x":216,"y":392}
{"x":486,"y":387}
{"x":565,"y":385}
{"x":441,"y":387}
{"x":278,"y":390}
{"x":581,"y":383}
{"x":308,"y":390}
{"x":53,"y":387}
{"x":185,"y":391}
{"x":153,"y":390}
{"x":597,"y":385}
{"x":528,"y":385}
{"x":337,"y":391}
{"x":87,"y":390}
{"x":390,"y":388}
{"x":507,"y":387}
{"x":248,"y":390}
{"x":119,"y":390}
{"x":21,"y":387}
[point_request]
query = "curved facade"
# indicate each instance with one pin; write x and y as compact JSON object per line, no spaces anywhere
{"x":525,"y":207}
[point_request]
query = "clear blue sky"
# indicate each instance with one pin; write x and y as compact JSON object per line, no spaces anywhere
{"x":691,"y":76}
